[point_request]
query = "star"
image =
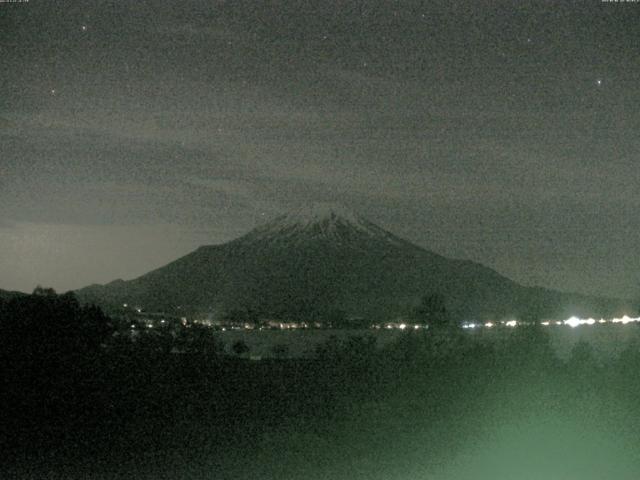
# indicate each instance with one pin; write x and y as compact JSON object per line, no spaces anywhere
{"x":599,"y":82}
{"x":83,"y":28}
{"x":52,"y":91}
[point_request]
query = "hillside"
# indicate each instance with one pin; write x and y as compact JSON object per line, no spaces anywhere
{"x":7,"y":295}
{"x":312,"y":262}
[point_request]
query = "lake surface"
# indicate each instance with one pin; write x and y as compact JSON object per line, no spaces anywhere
{"x":606,"y":340}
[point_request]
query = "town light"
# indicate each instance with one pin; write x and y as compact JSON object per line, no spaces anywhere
{"x":573,"y":322}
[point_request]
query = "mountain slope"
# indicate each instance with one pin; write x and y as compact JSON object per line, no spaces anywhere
{"x":314,"y":261}
{"x":8,"y":295}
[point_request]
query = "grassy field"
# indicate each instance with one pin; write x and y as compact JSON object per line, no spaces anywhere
{"x":414,"y":409}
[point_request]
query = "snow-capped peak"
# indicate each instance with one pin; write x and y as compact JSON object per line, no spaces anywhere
{"x":325,"y":218}
{"x":318,"y":213}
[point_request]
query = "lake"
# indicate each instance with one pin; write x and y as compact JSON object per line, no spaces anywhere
{"x":607,"y":340}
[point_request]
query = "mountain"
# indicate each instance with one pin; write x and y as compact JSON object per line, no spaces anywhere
{"x":322,"y":259}
{"x":8,"y":295}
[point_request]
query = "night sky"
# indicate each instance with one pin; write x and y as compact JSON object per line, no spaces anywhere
{"x":508,"y":133}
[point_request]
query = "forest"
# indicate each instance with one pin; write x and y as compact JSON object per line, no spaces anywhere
{"x":79,"y":400}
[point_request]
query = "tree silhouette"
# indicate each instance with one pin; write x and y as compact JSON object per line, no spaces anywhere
{"x":50,"y":352}
{"x":46,"y":326}
{"x":202,"y":341}
{"x":44,"y":292}
{"x":240,"y":348}
{"x":433,"y":311}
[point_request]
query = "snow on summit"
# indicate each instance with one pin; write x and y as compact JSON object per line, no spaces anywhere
{"x":319,"y":217}
{"x":319,"y":213}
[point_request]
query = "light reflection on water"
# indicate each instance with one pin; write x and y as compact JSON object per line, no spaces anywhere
{"x":606,"y":339}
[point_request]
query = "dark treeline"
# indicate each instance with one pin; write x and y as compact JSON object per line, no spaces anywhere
{"x":80,"y":399}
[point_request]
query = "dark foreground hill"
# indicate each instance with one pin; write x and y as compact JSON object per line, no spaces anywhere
{"x":314,"y":263}
{"x":83,"y":403}
{"x":8,"y":295}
